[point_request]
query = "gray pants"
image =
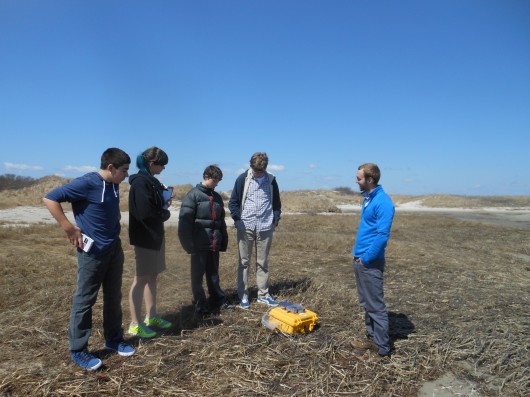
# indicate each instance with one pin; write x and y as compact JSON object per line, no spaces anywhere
{"x":92,"y":273}
{"x":369,"y":281}
{"x":247,"y":241}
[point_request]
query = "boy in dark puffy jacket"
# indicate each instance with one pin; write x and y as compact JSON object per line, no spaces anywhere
{"x":202,"y":233}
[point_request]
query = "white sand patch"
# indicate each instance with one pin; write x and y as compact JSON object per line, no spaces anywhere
{"x":26,"y":215}
{"x":417,"y":205}
{"x":448,"y":386}
{"x":511,"y":217}
{"x":22,"y":216}
{"x":518,"y":218}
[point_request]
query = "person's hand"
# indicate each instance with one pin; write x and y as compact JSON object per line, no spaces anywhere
{"x":73,"y":234}
{"x":275,"y":219}
{"x":165,"y":215}
{"x":240,"y":225}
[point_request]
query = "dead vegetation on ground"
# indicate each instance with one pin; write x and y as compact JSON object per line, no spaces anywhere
{"x":457,"y":294}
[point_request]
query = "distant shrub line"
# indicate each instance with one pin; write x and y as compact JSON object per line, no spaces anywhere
{"x":11,"y":181}
{"x":345,"y":190}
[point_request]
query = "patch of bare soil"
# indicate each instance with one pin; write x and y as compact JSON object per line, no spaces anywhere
{"x":457,"y":295}
{"x":448,"y":386}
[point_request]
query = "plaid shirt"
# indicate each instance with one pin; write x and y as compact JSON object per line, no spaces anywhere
{"x":257,"y":211}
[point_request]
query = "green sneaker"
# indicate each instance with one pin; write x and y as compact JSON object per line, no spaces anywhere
{"x":141,"y":331}
{"x":158,"y":322}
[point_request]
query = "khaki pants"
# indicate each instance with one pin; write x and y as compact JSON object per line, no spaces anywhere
{"x":247,"y":241}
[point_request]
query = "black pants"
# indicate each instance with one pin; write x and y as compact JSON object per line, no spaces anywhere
{"x":206,"y":262}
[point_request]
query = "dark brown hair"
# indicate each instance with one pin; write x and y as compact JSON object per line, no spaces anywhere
{"x":114,"y":156}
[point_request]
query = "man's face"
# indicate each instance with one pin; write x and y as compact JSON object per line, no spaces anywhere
{"x":211,"y":183}
{"x":258,"y":174}
{"x":362,"y":182}
{"x":119,"y":174}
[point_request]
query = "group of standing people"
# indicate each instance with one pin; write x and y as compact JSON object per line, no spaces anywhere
{"x":255,"y":207}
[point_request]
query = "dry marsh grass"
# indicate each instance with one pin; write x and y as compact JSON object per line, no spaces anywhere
{"x":457,"y":294}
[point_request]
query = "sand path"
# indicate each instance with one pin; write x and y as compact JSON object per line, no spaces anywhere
{"x":518,"y":218}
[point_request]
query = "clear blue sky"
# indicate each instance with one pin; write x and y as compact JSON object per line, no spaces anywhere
{"x":436,"y":92}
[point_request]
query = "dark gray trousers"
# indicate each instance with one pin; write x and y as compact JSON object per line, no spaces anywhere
{"x":369,"y":281}
{"x":92,"y":273}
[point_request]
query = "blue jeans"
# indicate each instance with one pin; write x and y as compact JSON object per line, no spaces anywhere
{"x":92,"y":273}
{"x":369,"y":281}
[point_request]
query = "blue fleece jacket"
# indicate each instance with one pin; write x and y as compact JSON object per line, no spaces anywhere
{"x":96,"y":208}
{"x":377,"y":213}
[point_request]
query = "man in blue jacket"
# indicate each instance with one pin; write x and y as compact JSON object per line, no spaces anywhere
{"x":377,"y":213}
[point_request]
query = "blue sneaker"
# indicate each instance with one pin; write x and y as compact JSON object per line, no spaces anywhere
{"x":244,"y":304}
{"x":121,"y":347}
{"x":85,"y":360}
{"x":268,"y":300}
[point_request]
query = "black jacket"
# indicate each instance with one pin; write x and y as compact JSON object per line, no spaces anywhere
{"x":146,"y":212}
{"x":202,"y":225}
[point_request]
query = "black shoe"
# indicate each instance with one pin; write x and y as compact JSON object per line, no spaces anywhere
{"x":201,"y":309}
{"x":383,"y":357}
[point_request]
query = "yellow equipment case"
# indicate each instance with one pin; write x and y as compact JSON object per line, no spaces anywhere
{"x":290,"y":319}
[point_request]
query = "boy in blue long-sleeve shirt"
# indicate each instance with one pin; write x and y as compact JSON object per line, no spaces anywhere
{"x":377,"y":213}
